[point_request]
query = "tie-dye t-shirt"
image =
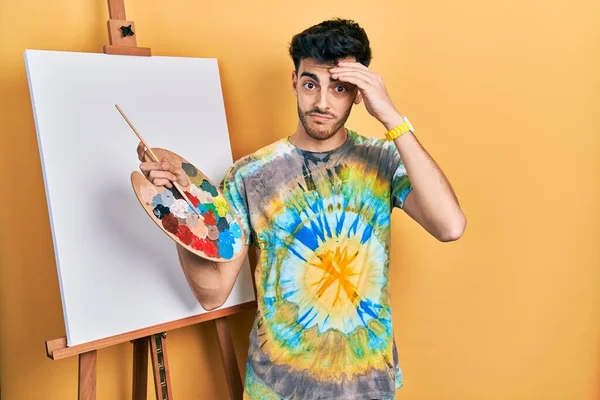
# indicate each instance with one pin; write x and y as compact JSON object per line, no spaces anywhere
{"x":321,"y":225}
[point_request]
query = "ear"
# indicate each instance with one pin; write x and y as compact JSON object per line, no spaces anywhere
{"x":358,"y":97}
{"x":295,"y":82}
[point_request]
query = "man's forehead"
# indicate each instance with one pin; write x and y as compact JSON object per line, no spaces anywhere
{"x":313,"y":65}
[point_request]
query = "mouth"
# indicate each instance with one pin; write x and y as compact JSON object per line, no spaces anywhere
{"x":320,"y":117}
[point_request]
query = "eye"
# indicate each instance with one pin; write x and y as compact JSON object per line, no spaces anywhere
{"x":340,"y":89}
{"x":309,"y":85}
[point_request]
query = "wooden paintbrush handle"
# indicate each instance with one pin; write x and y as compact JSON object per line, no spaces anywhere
{"x":155,"y":159}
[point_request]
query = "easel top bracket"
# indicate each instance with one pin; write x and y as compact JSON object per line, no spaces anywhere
{"x":121,"y":33}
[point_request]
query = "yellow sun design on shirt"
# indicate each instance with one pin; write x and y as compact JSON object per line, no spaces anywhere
{"x":336,"y":278}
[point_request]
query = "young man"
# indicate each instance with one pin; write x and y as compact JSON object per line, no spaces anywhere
{"x":317,"y":206}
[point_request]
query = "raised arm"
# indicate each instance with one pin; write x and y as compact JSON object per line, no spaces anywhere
{"x":432,"y":202}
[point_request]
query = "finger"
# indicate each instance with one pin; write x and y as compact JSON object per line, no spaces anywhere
{"x":154,"y":166}
{"x":162,"y":175}
{"x":365,"y":72}
{"x":181,"y":176}
{"x":162,"y":182}
{"x":368,"y":74}
{"x":141,"y":149}
{"x":356,"y":79}
{"x":352,"y":64}
{"x":169,"y":166}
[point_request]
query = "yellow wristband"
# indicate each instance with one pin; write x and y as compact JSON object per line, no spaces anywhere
{"x":400,"y":130}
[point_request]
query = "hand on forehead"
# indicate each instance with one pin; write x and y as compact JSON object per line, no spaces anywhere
{"x":319,"y":70}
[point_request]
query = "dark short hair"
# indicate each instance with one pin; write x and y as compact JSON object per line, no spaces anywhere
{"x":331,"y":40}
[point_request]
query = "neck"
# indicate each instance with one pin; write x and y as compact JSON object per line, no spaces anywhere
{"x":303,"y":141}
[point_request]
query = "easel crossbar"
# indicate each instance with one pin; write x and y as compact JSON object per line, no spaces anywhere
{"x":57,"y":349}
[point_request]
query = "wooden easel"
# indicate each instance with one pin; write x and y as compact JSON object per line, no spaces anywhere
{"x":123,"y":41}
{"x":154,"y":337}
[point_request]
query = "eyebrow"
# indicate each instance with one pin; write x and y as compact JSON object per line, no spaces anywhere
{"x":310,"y":75}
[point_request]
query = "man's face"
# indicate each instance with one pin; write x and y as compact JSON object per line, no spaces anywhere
{"x":324,"y":105}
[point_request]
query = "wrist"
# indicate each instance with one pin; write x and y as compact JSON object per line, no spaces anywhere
{"x":392,"y":121}
{"x":400,"y":129}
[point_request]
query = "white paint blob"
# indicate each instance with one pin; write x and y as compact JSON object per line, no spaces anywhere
{"x":180,"y":208}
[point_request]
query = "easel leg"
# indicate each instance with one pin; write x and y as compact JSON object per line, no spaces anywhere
{"x":87,"y":376}
{"x":160,"y":366}
{"x":232,"y":372}
{"x":140,"y":368}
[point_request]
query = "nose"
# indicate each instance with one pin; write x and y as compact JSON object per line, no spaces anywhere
{"x":322,"y":102}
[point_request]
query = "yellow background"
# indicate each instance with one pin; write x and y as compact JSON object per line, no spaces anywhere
{"x":504,"y":94}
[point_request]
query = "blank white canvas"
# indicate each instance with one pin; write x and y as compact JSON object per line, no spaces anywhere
{"x":117,"y":270}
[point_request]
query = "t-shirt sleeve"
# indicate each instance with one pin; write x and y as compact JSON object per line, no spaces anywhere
{"x":401,"y":184}
{"x":232,"y":187}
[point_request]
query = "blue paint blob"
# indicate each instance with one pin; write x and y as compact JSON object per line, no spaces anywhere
{"x":235,"y":230}
{"x":167,"y":198}
{"x":225,"y":250}
{"x":237,"y":246}
{"x":160,"y":211}
{"x":156,"y":200}
{"x":208,"y":187}
{"x":226,"y":237}
{"x":223,"y":225}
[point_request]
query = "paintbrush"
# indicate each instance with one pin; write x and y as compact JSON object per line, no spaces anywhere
{"x":155,"y":159}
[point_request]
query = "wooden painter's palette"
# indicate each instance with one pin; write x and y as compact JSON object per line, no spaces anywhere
{"x":211,"y":231}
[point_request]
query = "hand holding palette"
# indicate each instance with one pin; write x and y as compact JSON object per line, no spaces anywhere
{"x":210,"y":229}
{"x":197,"y":217}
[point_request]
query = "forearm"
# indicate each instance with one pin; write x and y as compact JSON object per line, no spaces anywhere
{"x":432,"y":203}
{"x":435,"y":202}
{"x":205,"y":278}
